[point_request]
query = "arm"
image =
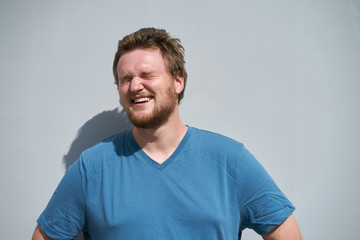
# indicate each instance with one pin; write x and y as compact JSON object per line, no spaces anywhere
{"x":39,"y":234}
{"x":288,"y":230}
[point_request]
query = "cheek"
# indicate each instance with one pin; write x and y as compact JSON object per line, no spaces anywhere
{"x":123,"y":98}
{"x":123,"y":89}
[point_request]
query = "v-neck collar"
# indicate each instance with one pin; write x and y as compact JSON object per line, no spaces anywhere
{"x":139,"y":152}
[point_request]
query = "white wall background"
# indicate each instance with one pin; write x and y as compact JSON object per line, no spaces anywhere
{"x":280,"y":76}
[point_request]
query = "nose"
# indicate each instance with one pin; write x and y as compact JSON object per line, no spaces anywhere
{"x":136,"y":84}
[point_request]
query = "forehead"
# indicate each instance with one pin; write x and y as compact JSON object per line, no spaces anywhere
{"x":141,"y":60}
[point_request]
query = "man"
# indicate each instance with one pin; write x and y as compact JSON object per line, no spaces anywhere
{"x":163,"y":179}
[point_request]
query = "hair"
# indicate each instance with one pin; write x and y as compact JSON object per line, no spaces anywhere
{"x":151,"y":38}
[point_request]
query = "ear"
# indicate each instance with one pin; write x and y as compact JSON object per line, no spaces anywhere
{"x":179,"y":84}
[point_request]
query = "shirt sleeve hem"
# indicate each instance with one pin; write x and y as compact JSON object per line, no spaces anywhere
{"x":49,"y":231}
{"x":264,"y":228}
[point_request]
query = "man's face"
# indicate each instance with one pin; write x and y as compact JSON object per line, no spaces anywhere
{"x":148,"y":93}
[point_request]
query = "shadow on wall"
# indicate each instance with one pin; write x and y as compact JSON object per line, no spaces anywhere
{"x":98,"y":128}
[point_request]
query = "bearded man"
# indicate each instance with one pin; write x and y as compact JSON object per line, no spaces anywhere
{"x":163,"y":179}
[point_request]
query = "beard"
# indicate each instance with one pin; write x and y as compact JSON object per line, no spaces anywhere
{"x":158,"y":116}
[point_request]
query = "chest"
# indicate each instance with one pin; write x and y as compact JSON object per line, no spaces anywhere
{"x":133,"y":200}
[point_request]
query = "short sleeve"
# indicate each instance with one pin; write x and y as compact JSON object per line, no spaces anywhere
{"x":262,"y":204}
{"x":64,"y":216}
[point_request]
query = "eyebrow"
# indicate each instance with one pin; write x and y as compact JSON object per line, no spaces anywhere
{"x":142,"y":74}
{"x":126,"y":76}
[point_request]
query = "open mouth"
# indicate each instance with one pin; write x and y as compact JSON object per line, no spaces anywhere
{"x":142,"y":100}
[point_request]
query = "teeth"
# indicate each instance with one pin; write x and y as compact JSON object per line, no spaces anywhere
{"x":144,"y":99}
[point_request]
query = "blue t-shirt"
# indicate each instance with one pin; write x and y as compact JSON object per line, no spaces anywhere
{"x":211,"y":187}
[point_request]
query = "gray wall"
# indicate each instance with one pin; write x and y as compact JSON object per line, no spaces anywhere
{"x":280,"y":76}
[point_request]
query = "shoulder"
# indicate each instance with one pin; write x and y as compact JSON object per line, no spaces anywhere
{"x":224,"y":153}
{"x":222,"y":148}
{"x":103,"y":156}
{"x":106,"y":149}
{"x":216,"y":142}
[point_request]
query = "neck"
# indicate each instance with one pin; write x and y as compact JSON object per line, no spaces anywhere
{"x":159,"y":143}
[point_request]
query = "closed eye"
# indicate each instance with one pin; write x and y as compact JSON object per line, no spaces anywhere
{"x":148,"y":75}
{"x":125,"y":78}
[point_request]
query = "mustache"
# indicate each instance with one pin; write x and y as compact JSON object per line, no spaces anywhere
{"x":142,"y":94}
